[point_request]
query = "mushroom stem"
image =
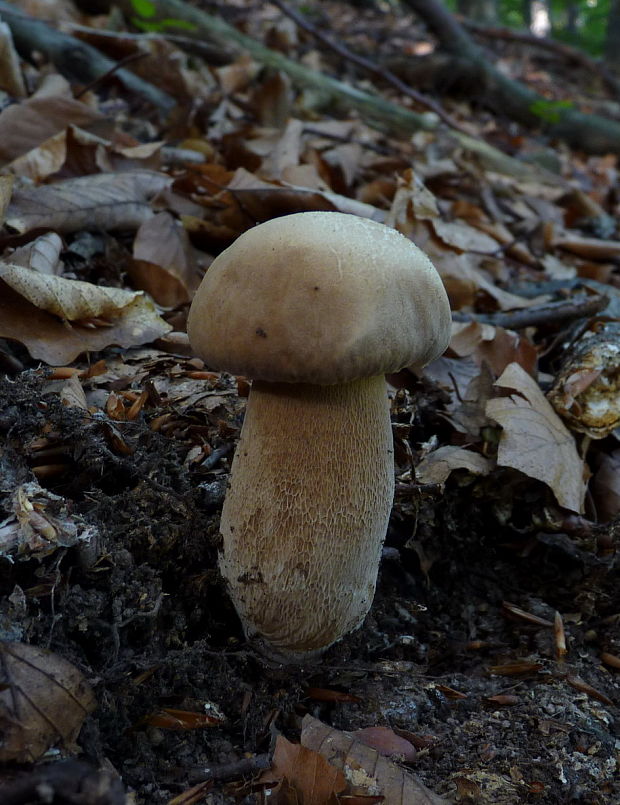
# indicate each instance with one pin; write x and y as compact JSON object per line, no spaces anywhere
{"x":304,"y":520}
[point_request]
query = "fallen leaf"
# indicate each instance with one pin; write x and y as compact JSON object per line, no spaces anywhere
{"x":57,"y":343}
{"x":70,"y":300}
{"x":180,"y":720}
{"x":387,"y":743}
{"x":534,"y":440}
{"x":365,"y":770}
{"x":12,"y":76}
{"x":43,"y":701}
{"x":164,"y":264}
{"x":308,"y":773}
{"x":438,"y":465}
{"x":50,"y":110}
{"x":41,"y":254}
{"x":104,"y":201}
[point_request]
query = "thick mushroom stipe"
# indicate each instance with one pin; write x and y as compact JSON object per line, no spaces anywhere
{"x":306,"y":514}
{"x":315,"y":308}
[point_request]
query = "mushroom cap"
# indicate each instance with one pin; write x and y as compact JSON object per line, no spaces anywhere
{"x":319,"y":297}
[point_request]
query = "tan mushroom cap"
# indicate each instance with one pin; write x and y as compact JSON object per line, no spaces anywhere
{"x":319,"y":297}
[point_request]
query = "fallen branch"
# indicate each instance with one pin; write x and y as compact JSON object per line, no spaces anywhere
{"x":579,"y":307}
{"x":76,"y":60}
{"x":590,"y":133}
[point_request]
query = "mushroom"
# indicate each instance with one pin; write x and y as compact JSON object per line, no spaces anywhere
{"x":316,"y":308}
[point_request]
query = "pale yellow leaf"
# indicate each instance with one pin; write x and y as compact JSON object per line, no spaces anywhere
{"x":71,"y":300}
{"x":534,"y":439}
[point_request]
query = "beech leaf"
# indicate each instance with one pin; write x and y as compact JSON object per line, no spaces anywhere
{"x":43,"y":701}
{"x":102,"y":201}
{"x":57,"y":342}
{"x":534,"y":440}
{"x":366,"y":771}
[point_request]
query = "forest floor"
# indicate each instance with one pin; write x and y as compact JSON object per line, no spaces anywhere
{"x":493,"y":643}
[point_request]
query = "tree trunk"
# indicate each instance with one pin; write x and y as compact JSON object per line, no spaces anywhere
{"x":482,"y":11}
{"x":612,"y":42}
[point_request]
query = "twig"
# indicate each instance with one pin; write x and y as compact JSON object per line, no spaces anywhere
{"x":227,"y":771}
{"x":577,"y":308}
{"x":368,"y":65}
{"x":101,"y":78}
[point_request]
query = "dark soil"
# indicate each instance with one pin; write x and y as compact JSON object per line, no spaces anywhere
{"x":143,"y":612}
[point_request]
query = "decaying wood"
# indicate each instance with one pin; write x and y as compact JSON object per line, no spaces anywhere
{"x":590,"y":133}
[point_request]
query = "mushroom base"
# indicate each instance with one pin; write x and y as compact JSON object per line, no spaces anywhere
{"x":303,"y":523}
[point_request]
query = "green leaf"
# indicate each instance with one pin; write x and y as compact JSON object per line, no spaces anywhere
{"x":550,"y":111}
{"x":145,"y":8}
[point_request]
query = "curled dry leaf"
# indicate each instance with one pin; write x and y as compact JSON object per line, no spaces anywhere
{"x":366,"y":771}
{"x":42,"y":254}
{"x":51,"y":109}
{"x":43,"y":701}
{"x":492,"y":345}
{"x":437,"y":466}
{"x":57,"y":342}
{"x":263,"y":200}
{"x":105,"y":201}
{"x":534,"y":440}
{"x":70,"y":300}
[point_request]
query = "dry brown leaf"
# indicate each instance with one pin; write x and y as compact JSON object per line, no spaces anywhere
{"x":11,"y":76}
{"x":103,"y":201}
{"x":57,"y":343}
{"x":72,"y":394}
{"x":365,"y":770}
{"x":43,"y":702}
{"x":387,"y":743}
{"x":51,"y":109}
{"x":534,"y":440}
{"x":164,"y":264}
{"x":283,"y":152}
{"x":494,"y":346}
{"x":464,"y":237}
{"x":312,"y":778}
{"x":437,"y":466}
{"x":590,"y":248}
{"x":263,"y":200}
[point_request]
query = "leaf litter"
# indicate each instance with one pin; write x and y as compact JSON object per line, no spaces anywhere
{"x":115,"y":463}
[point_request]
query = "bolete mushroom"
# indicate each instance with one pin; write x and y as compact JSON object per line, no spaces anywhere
{"x":315,"y":307}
